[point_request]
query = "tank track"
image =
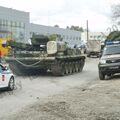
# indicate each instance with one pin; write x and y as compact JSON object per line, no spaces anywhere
{"x":20,"y":71}
{"x":61,"y":68}
{"x":58,"y":67}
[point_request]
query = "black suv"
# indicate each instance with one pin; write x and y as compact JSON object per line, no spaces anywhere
{"x":109,"y":63}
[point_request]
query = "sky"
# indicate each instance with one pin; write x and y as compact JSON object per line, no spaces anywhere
{"x":67,"y":12}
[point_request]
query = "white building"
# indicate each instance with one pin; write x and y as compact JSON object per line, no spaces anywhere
{"x":70,"y":36}
{"x":93,"y":36}
{"x":16,"y":25}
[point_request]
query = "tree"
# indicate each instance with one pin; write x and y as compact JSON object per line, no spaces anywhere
{"x":76,"y":28}
{"x":116,"y":13}
{"x":67,"y":27}
{"x":56,"y":26}
{"x":81,"y":29}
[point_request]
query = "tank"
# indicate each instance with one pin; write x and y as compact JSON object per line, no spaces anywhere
{"x":45,"y":53}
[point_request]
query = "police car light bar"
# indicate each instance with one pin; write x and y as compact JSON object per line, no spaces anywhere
{"x":112,"y":42}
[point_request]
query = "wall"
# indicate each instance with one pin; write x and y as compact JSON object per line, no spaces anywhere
{"x":70,"y":36}
{"x":15,"y":22}
{"x":93,"y":36}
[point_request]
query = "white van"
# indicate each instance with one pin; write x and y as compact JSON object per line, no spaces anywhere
{"x":7,"y":79}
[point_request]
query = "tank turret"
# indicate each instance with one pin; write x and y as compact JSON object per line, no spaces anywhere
{"x":39,"y":39}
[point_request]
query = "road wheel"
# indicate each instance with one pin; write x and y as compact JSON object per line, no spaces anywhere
{"x":109,"y":75}
{"x":88,"y":55}
{"x":82,"y":62}
{"x":70,"y":68}
{"x":73,"y":67}
{"x":98,"y":56}
{"x":101,"y":75}
{"x":11,"y":84}
{"x":66,"y":69}
{"x":62,"y":69}
{"x":76,"y":67}
{"x":43,"y":71}
{"x":55,"y":69}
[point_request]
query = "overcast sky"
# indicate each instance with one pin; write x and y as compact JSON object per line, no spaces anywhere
{"x":66,"y":12}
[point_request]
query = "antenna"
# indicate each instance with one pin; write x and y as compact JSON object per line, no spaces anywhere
{"x":87,"y":30}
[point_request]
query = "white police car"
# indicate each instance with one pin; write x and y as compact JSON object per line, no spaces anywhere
{"x":7,"y":79}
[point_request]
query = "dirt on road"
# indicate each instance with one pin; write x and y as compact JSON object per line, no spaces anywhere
{"x":99,"y":100}
{"x":91,"y":100}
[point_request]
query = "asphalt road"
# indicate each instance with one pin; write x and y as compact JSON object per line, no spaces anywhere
{"x":33,"y":88}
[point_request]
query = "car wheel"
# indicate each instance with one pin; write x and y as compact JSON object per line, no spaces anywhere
{"x":11,"y":83}
{"x":101,"y":75}
{"x":98,"y":56}
{"x":109,"y":75}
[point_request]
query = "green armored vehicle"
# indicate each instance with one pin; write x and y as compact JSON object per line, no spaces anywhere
{"x":45,"y":53}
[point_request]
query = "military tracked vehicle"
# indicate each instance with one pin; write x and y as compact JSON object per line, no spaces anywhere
{"x":45,"y":53}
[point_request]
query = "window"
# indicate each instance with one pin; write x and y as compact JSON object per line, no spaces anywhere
{"x":9,"y":23}
{"x":73,"y":38}
{"x":13,"y":24}
{"x":0,"y":21}
{"x":67,"y":37}
{"x":22,"y":24}
{"x":94,"y":37}
{"x":6,"y":22}
{"x":110,"y":50}
{"x":91,"y":36}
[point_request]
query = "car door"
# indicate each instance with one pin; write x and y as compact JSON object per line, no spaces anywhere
{"x":1,"y":77}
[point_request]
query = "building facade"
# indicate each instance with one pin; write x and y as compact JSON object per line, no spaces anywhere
{"x":70,"y":36}
{"x":93,"y":36}
{"x":15,"y":25}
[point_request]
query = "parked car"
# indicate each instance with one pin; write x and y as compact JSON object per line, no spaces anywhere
{"x":7,"y":79}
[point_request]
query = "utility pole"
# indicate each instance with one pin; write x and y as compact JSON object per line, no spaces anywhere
{"x":87,"y":31}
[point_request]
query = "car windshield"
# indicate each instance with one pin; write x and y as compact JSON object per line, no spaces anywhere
{"x":109,"y":50}
{"x":3,"y":68}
